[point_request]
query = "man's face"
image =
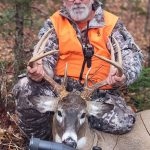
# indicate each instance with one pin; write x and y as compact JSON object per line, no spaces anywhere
{"x":79,"y":10}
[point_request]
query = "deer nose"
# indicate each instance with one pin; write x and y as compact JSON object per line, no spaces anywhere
{"x":96,"y":148}
{"x":70,"y":142}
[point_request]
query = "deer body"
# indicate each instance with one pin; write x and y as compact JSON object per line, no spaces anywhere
{"x":137,"y":139}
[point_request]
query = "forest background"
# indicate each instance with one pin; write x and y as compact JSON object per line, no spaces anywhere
{"x":20,"y":21}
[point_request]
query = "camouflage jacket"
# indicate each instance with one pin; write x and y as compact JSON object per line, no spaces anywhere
{"x":131,"y":53}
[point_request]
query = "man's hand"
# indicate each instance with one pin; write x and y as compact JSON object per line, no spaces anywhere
{"x":114,"y":80}
{"x":36,"y":72}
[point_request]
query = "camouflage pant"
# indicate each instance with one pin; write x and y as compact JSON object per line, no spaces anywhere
{"x":118,"y":121}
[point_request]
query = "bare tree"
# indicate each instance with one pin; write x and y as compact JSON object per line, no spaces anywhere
{"x":147,"y":31}
{"x":147,"y":23}
{"x":18,"y":48}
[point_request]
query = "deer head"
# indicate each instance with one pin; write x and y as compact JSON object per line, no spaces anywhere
{"x":70,"y":116}
{"x":71,"y":109}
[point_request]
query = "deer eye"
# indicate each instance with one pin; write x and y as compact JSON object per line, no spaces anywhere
{"x":83,"y":115}
{"x":59,"y":113}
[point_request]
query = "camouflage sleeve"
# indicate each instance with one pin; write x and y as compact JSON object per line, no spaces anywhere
{"x":49,"y":62}
{"x":131,"y":54}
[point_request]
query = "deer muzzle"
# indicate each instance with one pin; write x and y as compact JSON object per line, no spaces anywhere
{"x":70,"y":142}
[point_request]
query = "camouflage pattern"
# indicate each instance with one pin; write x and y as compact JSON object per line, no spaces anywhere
{"x":120,"y":120}
{"x":130,"y":51}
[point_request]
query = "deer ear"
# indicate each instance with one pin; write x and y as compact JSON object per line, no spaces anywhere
{"x":98,"y":109}
{"x":45,"y":103}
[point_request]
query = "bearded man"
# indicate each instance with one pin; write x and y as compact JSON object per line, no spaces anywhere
{"x":80,"y":25}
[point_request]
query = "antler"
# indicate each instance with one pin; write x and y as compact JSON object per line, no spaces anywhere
{"x":60,"y":89}
{"x":118,"y":64}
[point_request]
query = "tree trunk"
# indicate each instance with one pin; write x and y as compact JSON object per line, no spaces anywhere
{"x":147,"y":23}
{"x":19,"y":39}
{"x":147,"y":32}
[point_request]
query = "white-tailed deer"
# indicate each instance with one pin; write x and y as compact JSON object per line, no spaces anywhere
{"x":70,"y":124}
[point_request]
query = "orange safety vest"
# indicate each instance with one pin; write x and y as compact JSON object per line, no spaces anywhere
{"x":71,"y":50}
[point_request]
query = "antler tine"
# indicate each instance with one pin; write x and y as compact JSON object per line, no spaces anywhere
{"x":38,"y":46}
{"x":110,"y":62}
{"x":119,"y":59}
{"x":60,"y":90}
{"x":117,"y":64}
{"x":86,"y":78}
{"x":42,"y":48}
{"x":112,"y":51}
{"x":89,"y":90}
{"x":65,"y":76}
{"x":39,"y":49}
{"x":119,"y":51}
{"x":39,"y":56}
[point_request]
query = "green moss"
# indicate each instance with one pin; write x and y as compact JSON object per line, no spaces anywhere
{"x":142,"y":82}
{"x":140,"y":91}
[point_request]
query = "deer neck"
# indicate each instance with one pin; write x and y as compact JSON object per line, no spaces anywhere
{"x":89,"y":137}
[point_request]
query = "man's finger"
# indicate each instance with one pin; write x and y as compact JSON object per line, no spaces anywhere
{"x":31,"y":70}
{"x":120,"y":79}
{"x":114,"y":71}
{"x":39,"y":69}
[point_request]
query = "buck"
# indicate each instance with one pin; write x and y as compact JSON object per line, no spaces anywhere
{"x":70,"y":123}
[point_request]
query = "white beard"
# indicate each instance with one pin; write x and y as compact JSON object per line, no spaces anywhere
{"x":80,"y":12}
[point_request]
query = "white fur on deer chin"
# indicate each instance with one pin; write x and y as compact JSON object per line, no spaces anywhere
{"x":82,"y":121}
{"x":70,"y":134}
{"x":58,"y":139}
{"x":81,"y":143}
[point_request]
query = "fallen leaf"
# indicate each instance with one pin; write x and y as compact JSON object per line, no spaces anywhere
{"x":2,"y":133}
